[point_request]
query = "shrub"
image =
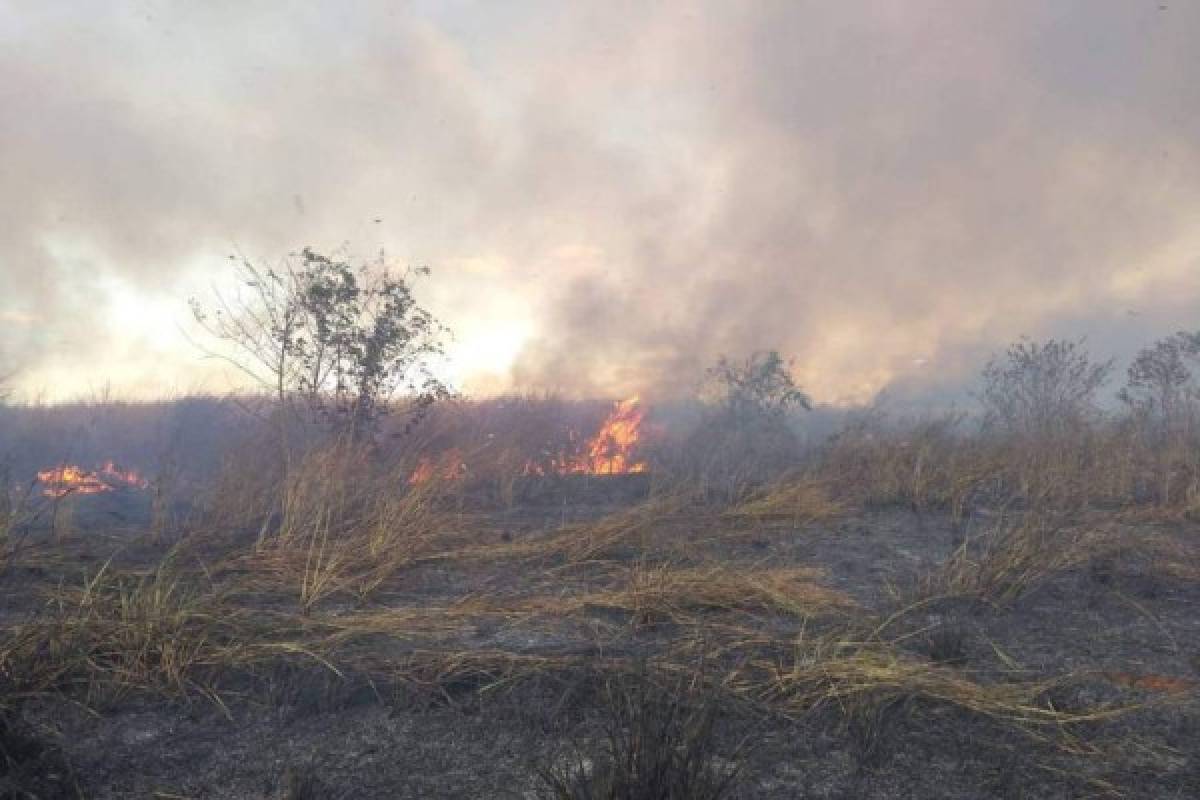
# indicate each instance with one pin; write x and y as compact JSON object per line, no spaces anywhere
{"x":1042,"y":389}
{"x":341,"y":339}
{"x":744,"y":437}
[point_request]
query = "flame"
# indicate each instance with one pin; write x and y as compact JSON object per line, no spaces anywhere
{"x":611,"y":450}
{"x":449,"y":467}
{"x":71,"y":479}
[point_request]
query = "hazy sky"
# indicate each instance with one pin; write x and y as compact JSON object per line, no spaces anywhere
{"x":610,"y":194}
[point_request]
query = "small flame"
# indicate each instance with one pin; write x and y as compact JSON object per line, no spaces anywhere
{"x":71,"y":479}
{"x":610,"y":452}
{"x":449,"y":467}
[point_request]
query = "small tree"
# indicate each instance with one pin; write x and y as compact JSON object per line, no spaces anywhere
{"x":1159,"y":382}
{"x":756,"y":388}
{"x":339,"y":340}
{"x":1042,"y":388}
{"x":744,"y":436}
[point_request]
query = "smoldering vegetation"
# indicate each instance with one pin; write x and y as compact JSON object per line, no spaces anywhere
{"x":535,"y":597}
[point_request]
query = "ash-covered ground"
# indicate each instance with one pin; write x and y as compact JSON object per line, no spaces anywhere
{"x":838,"y":651}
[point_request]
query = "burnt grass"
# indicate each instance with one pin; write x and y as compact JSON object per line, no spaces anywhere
{"x":512,"y":670}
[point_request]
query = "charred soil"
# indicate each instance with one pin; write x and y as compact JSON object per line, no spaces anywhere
{"x":480,"y":652}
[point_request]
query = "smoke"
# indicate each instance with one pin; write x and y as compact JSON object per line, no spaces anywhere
{"x":614,"y":194}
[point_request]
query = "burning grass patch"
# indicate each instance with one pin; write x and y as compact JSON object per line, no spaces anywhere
{"x":382,"y":592}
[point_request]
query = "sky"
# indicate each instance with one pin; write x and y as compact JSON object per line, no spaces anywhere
{"x":610,"y":194}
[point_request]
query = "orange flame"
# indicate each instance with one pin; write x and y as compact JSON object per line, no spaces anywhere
{"x":611,"y":450}
{"x":449,"y":467}
{"x":71,"y":479}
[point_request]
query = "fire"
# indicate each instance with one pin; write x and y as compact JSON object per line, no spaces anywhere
{"x":450,"y":467}
{"x":611,"y":450}
{"x":71,"y":479}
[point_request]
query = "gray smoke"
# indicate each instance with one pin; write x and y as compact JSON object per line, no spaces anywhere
{"x":885,"y":191}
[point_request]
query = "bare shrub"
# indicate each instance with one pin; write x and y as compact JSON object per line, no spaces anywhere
{"x":1163,"y":426}
{"x":1043,"y":422}
{"x":340,"y":339}
{"x":1159,"y":382}
{"x":1042,"y":390}
{"x":744,"y":436}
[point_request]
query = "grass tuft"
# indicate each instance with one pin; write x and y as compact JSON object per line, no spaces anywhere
{"x":651,"y":743}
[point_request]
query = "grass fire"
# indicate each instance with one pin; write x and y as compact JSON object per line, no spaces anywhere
{"x":716,"y":588}
{"x":70,"y":479}
{"x":596,"y":401}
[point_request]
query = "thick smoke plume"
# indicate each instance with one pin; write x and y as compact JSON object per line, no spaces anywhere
{"x":612,"y":194}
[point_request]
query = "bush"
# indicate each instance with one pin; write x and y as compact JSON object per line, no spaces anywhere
{"x":744,"y":436}
{"x":1042,"y":389}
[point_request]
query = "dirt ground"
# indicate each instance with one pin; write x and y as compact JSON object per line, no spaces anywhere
{"x":1115,"y":637}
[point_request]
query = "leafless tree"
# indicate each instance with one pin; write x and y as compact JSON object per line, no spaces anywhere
{"x":1160,"y":381}
{"x":758,"y":386}
{"x":744,"y":434}
{"x":329,"y":338}
{"x":1042,"y":388}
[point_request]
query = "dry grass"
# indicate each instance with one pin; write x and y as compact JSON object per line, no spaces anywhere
{"x":868,"y":680}
{"x":934,"y":464}
{"x":1016,"y":553}
{"x":164,"y":632}
{"x":796,"y":500}
{"x":925,"y":464}
{"x":117,"y":633}
{"x":343,"y":530}
{"x":16,"y":515}
{"x":628,"y":528}
{"x":664,"y":592}
{"x":175,"y":631}
{"x":621,"y":533}
{"x":271,"y":581}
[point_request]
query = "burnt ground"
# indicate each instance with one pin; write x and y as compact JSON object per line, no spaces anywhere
{"x":1115,"y":636}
